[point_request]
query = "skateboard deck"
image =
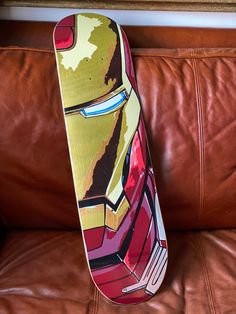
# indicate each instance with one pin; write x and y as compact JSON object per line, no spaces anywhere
{"x":122,"y":227}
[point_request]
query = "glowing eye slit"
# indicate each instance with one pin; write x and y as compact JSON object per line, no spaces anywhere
{"x":106,"y":106}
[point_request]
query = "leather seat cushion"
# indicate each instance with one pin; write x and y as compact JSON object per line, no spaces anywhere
{"x":46,"y":272}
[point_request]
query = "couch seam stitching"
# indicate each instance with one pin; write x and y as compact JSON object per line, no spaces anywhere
{"x":202,"y":179}
{"x":184,"y":57}
{"x":203,"y":144}
{"x":95,"y":297}
{"x":26,"y":49}
{"x":98,"y":298}
{"x":200,"y":140}
{"x":231,"y":54}
{"x":207,"y":277}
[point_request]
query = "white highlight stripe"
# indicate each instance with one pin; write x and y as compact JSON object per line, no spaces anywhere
{"x":158,"y":273}
{"x":129,"y":17}
{"x":105,"y":107}
{"x":159,"y":220}
{"x":154,"y":272}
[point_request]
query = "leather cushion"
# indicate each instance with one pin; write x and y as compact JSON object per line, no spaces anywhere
{"x":46,"y":272}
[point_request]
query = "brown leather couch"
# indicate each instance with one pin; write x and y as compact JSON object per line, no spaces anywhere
{"x":189,"y":102}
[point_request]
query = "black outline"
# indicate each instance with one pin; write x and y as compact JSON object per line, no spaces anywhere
{"x":101,"y":200}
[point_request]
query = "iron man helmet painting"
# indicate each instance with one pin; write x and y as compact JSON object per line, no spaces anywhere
{"x":114,"y":182}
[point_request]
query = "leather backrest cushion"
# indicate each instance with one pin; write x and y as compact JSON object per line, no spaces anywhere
{"x":35,"y":176}
{"x":189,"y":104}
{"x":189,"y":101}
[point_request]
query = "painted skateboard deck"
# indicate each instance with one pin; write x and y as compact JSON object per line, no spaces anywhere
{"x":120,"y":217}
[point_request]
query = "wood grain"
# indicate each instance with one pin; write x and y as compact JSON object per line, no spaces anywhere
{"x":165,"y":5}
